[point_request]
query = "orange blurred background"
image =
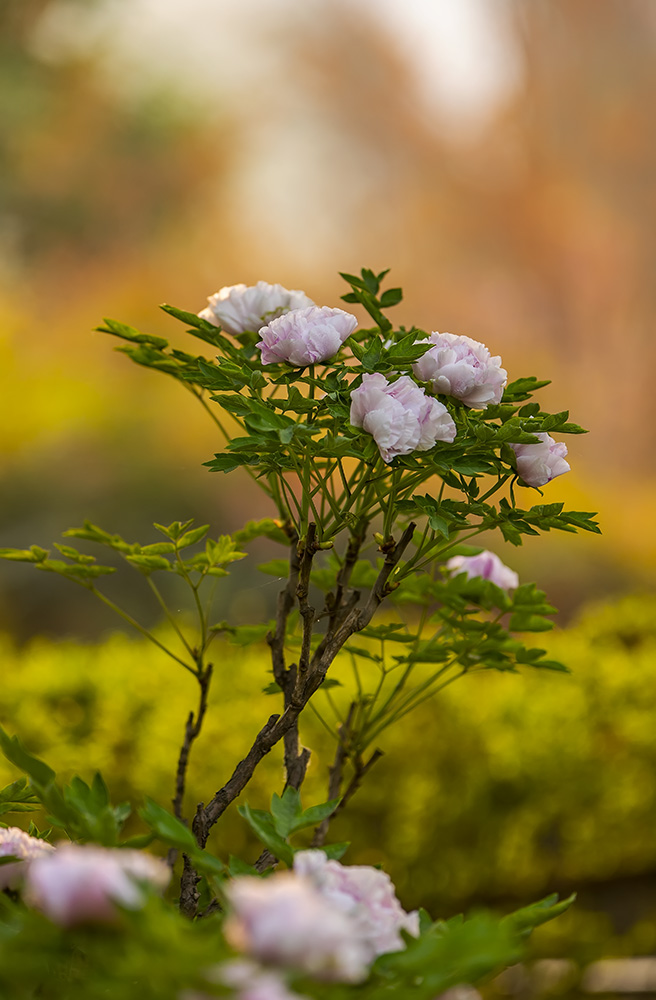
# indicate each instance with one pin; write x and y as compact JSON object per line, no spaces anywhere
{"x":500,"y":161}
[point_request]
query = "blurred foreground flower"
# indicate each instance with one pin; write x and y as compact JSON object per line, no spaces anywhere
{"x":254,"y":983}
{"x":79,"y":884}
{"x":15,"y":843}
{"x":486,"y":565}
{"x":400,"y":416}
{"x":285,"y":921}
{"x":238,"y":308}
{"x":463,"y":368}
{"x":538,"y":464}
{"x":305,"y":336}
{"x":366,"y":893}
{"x":324,"y":918}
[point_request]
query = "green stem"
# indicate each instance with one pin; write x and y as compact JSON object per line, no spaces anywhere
{"x":140,"y":628}
{"x":169,"y":616}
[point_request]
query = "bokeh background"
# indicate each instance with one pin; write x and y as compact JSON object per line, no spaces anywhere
{"x":499,"y":156}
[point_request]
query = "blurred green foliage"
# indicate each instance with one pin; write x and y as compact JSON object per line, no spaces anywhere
{"x":522,"y":784}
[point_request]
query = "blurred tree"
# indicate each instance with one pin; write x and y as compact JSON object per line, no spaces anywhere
{"x":86,"y":176}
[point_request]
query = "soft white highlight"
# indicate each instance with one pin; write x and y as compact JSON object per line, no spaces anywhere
{"x":241,"y":308}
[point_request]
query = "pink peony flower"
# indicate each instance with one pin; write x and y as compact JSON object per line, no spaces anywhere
{"x":462,"y":367}
{"x":486,"y":565}
{"x":366,"y":894}
{"x":238,"y":308}
{"x":284,"y":920}
{"x":539,"y":463}
{"x":253,"y":982}
{"x":79,"y":884}
{"x":400,"y":416}
{"x":15,"y":843}
{"x":305,"y":336}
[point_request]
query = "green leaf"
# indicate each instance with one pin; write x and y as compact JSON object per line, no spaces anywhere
{"x":193,"y":536}
{"x":286,"y":811}
{"x":529,"y":917}
{"x":126,"y":332}
{"x":238,"y":867}
{"x":35,"y":554}
{"x":191,"y":319}
{"x":149,"y":563}
{"x":267,"y":528}
{"x":175,"y":529}
{"x":18,"y":797}
{"x":315,"y":815}
{"x":391,"y":297}
{"x":167,"y":827}
{"x":228,"y":462}
{"x":336,"y":851}
{"x":15,"y":752}
{"x":262,"y":825}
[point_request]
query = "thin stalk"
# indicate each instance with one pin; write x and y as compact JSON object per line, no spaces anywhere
{"x":169,"y":617}
{"x":140,"y":628}
{"x":410,"y":704}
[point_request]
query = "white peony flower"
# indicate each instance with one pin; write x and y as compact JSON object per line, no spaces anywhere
{"x":400,"y":416}
{"x":538,"y":464}
{"x":463,"y":368}
{"x":365,"y":893}
{"x":284,"y":920}
{"x":486,"y":565}
{"x":15,"y":843}
{"x":238,"y":308}
{"x":305,"y":336}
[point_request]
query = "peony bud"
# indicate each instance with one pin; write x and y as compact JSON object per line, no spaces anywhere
{"x":539,"y":463}
{"x":305,"y":336}
{"x":488,"y":566}
{"x":400,"y":416}
{"x":463,"y":368}
{"x":239,"y":308}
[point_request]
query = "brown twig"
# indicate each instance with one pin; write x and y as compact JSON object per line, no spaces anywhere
{"x":338,"y":606}
{"x":335,"y":774}
{"x":276,"y":727}
{"x":192,"y":731}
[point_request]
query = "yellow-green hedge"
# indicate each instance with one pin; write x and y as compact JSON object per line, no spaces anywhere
{"x":501,"y":786}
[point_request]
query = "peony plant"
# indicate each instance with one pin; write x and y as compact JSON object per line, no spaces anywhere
{"x":385,"y":456}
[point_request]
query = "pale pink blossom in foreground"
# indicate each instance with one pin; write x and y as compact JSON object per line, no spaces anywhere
{"x":538,"y":464}
{"x":253,"y":982}
{"x":238,"y":308}
{"x":400,"y":416}
{"x":366,"y":894}
{"x":463,"y":368}
{"x":79,"y":884}
{"x":284,"y":920}
{"x":486,"y":565}
{"x":305,"y":336}
{"x":15,"y":843}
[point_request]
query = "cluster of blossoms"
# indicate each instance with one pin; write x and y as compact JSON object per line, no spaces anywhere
{"x":76,"y":884}
{"x":323,"y":918}
{"x":399,"y":415}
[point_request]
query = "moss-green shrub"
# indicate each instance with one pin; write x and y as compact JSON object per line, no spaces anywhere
{"x":500,"y":786}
